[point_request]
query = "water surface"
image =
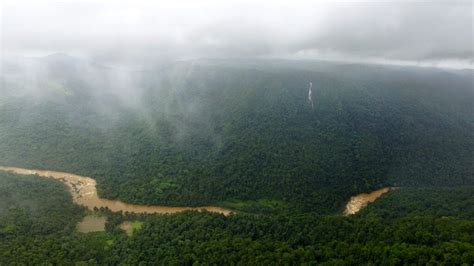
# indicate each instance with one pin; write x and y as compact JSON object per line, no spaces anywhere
{"x":358,"y":202}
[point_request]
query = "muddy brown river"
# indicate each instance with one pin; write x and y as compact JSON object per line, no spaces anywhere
{"x":358,"y":202}
{"x":84,"y":192}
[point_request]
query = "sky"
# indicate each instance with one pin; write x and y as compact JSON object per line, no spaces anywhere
{"x":435,"y":33}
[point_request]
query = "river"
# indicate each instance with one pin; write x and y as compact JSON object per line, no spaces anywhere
{"x":84,"y":192}
{"x":358,"y":202}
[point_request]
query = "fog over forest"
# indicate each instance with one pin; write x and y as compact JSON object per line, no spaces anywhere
{"x":236,"y":132}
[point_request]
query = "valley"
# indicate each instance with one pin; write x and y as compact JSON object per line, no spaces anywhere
{"x":236,"y":132}
{"x":226,"y":162}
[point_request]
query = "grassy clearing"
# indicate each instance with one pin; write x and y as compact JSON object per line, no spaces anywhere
{"x":131,"y":226}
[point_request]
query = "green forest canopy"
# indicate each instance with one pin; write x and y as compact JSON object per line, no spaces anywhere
{"x":241,"y":134}
{"x":217,"y":131}
{"x":37,"y":226}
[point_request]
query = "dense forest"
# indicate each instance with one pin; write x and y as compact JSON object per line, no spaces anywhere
{"x":235,"y":132}
{"x":425,"y":226}
{"x":240,"y":134}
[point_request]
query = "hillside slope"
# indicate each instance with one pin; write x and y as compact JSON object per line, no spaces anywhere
{"x":213,"y":131}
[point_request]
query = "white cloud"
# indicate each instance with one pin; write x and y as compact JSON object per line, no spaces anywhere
{"x":423,"y":31}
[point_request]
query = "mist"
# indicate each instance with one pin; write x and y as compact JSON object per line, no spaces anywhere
{"x":138,"y":60}
{"x":433,"y":33}
{"x":331,"y":132}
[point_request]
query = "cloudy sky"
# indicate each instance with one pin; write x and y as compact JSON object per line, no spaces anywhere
{"x":413,"y":32}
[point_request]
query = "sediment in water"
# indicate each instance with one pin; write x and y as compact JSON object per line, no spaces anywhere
{"x":358,"y":202}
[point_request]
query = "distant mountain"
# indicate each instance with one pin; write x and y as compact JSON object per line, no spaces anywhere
{"x":219,"y":131}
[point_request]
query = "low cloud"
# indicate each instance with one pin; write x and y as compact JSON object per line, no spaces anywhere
{"x":142,"y":31}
